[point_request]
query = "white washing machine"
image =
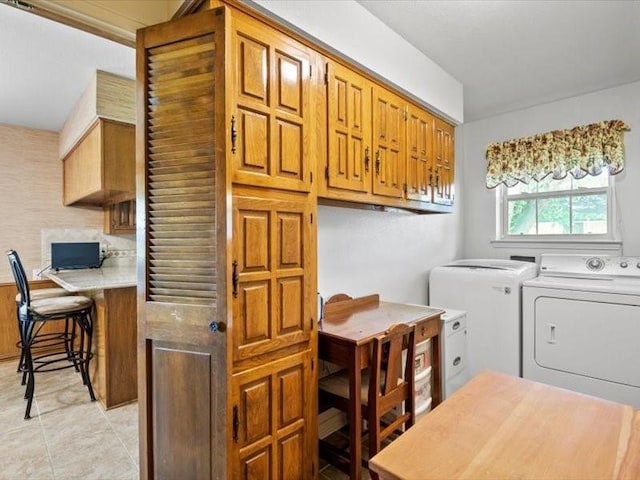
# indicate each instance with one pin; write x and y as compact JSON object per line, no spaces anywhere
{"x":489,"y":290}
{"x":581,"y":325}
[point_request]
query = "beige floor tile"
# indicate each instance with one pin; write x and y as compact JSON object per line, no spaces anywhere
{"x":24,"y":453}
{"x":92,"y":455}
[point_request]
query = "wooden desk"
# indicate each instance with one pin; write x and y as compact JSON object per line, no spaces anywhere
{"x":346,"y":336}
{"x":502,"y":427}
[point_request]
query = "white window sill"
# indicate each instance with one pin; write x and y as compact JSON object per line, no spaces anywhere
{"x":604,"y":245}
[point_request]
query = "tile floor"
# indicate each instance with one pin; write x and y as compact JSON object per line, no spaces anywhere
{"x":68,"y":437}
{"x":71,"y":438}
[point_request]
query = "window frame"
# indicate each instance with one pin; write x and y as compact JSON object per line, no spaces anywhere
{"x":502,"y":216}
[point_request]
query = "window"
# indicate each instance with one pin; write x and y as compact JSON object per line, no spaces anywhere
{"x":556,"y":209}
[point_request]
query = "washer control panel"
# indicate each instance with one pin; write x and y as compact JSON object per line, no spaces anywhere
{"x":589,"y":265}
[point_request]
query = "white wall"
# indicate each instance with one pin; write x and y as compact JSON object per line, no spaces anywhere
{"x":390,"y":253}
{"x":479,"y":204}
{"x":349,"y":28}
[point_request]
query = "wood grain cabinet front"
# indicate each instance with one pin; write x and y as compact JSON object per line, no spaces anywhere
{"x":381,"y":149}
{"x":270,"y":421}
{"x":271,"y":120}
{"x":272,"y":279}
{"x":227,"y":304}
{"x":420,"y":157}
{"x":389,"y":143}
{"x":444,"y":170}
{"x":120,"y":218}
{"x":349,"y":153}
{"x":101,"y":167}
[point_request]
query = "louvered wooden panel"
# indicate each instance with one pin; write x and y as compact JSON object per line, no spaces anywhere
{"x":181,"y":208}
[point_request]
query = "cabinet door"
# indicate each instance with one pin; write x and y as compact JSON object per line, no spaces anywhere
{"x":120,"y":218}
{"x":444,"y":163}
{"x":271,"y":117}
{"x":388,"y":143}
{"x":271,"y":414}
{"x":349,"y":129}
{"x":272,"y":295}
{"x":182,"y":284}
{"x":420,"y":157}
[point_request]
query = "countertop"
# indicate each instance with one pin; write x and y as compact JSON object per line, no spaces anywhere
{"x":95,"y":278}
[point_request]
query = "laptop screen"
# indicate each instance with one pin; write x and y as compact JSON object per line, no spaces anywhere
{"x":75,"y":255}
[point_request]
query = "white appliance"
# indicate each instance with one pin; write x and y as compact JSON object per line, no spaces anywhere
{"x":489,"y":290}
{"x":581,"y":325}
{"x":455,"y":372}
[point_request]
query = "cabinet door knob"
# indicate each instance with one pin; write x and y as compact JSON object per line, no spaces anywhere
{"x":216,"y":326}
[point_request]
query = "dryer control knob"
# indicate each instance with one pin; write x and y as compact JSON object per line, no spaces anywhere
{"x":595,"y":263}
{"x":624,"y":264}
{"x":638,"y":265}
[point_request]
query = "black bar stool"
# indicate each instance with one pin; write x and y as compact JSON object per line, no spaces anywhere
{"x":33,"y":315}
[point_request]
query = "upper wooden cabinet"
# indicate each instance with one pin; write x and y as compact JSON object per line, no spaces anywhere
{"x":444,"y":163}
{"x":382,"y":149}
{"x":348,"y":130}
{"x":271,"y":118}
{"x":420,"y":157}
{"x":389,"y":157}
{"x":101,"y":167}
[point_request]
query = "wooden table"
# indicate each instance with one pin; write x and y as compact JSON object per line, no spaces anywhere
{"x":502,"y":427}
{"x":345,"y":338}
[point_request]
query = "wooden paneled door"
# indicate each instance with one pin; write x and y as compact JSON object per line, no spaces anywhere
{"x":270,"y":126}
{"x":272,"y":282}
{"x":420,"y":158}
{"x":349,"y":129}
{"x":272,"y":407}
{"x":182,"y":347}
{"x":389,"y":155}
{"x":444,"y":163}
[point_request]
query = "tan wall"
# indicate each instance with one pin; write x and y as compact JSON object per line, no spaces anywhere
{"x":31,"y":195}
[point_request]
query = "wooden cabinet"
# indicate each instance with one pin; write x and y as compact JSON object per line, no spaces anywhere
{"x":420,"y":157}
{"x":101,"y":167}
{"x":381,"y":149}
{"x":349,"y":151}
{"x":444,"y":163}
{"x":271,"y":120}
{"x":271,"y":412}
{"x":120,"y":218}
{"x":227,"y":336}
{"x":113,"y":368}
{"x":272,"y":253}
{"x":389,"y":117}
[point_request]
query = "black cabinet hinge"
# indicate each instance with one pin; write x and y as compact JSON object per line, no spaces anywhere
{"x":236,"y":424}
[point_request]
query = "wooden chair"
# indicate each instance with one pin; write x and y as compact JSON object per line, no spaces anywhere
{"x":388,"y":387}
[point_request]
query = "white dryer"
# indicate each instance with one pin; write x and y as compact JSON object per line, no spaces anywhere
{"x":581,"y":325}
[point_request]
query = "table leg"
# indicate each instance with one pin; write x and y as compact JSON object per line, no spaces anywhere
{"x":355,"y":416}
{"x":436,"y":366}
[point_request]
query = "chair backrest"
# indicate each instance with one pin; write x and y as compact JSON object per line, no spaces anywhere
{"x":20,"y":278}
{"x":391,"y":385}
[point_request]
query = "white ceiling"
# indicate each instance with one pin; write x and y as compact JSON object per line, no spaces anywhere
{"x":46,"y":66}
{"x":507,"y":54}
{"x":514,"y":54}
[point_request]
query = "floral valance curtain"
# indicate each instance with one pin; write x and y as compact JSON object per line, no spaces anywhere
{"x":580,"y":151}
